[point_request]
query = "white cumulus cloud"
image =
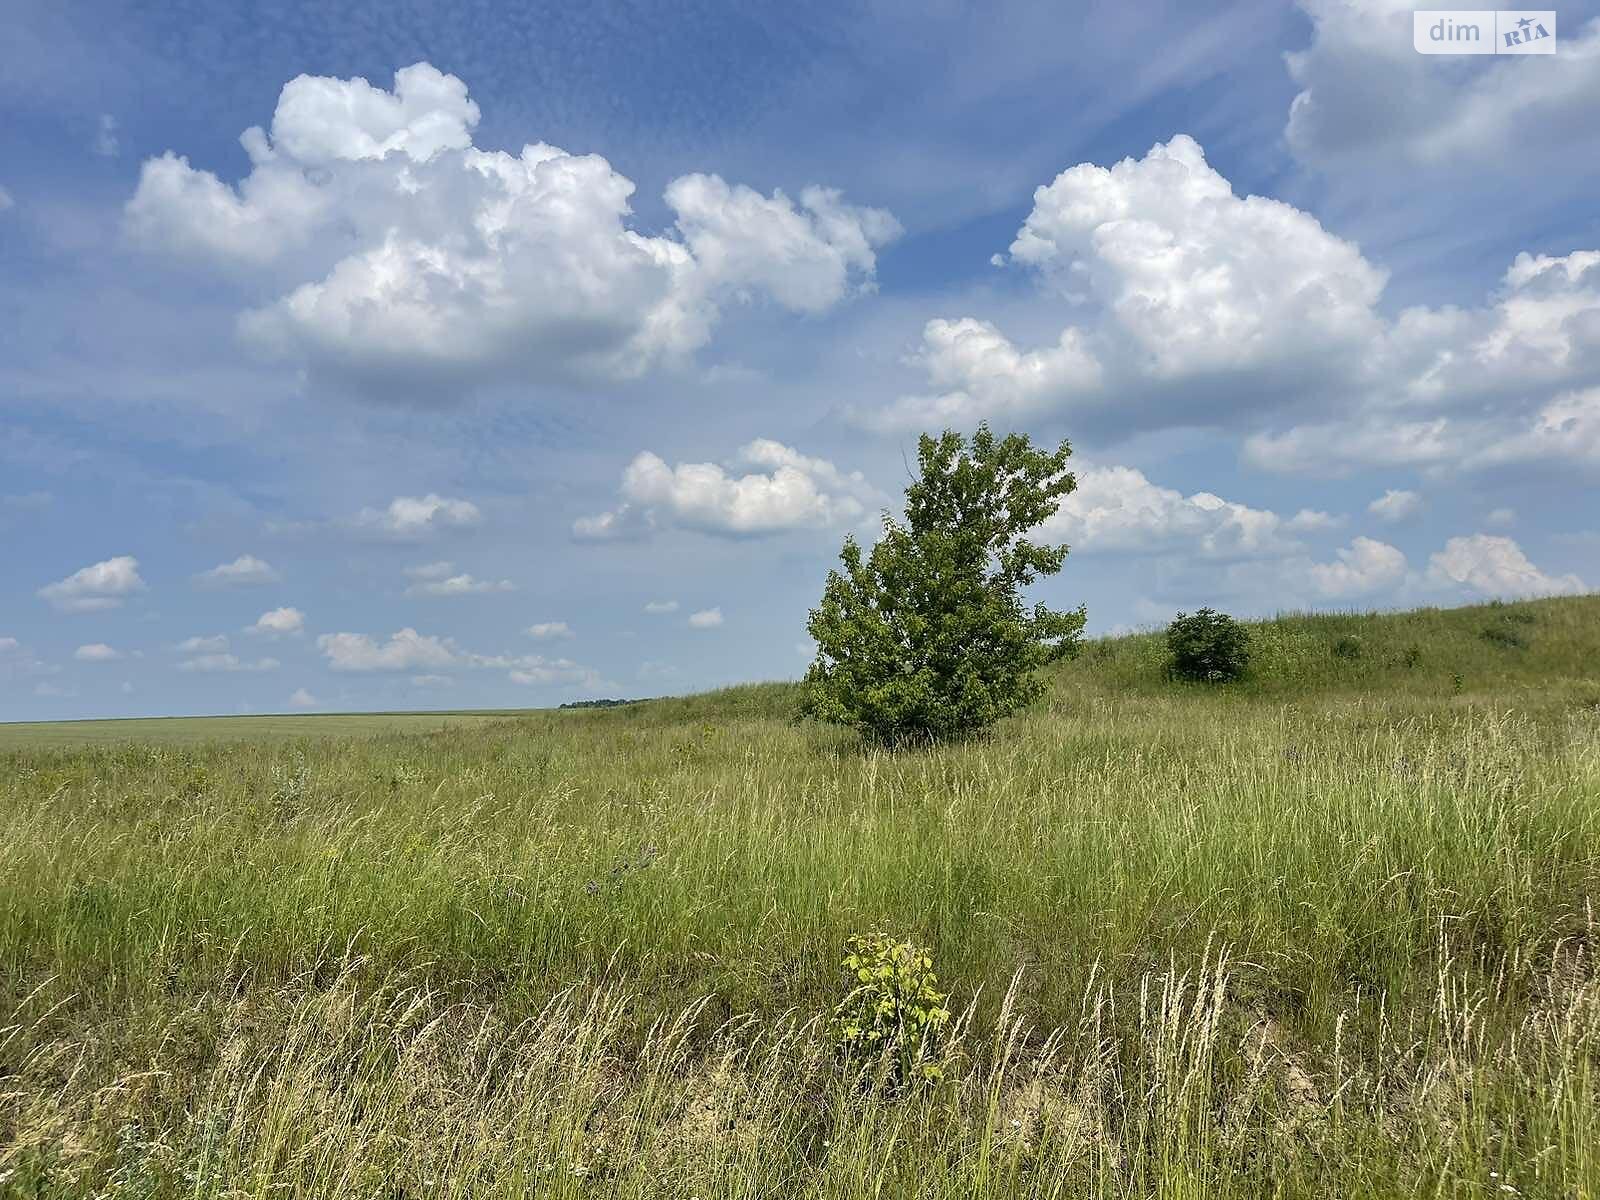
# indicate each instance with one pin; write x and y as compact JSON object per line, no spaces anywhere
{"x":1184,"y":304}
{"x":1495,"y":567}
{"x":1311,"y":520}
{"x":1197,"y":277}
{"x":199,"y":644}
{"x":1117,"y":508}
{"x":534,"y":671}
{"x":95,"y":588}
{"x":301,"y":698}
{"x":788,"y":490}
{"x":976,"y":373}
{"x":1364,"y":567}
{"x":279,"y":622}
{"x":706,"y":618}
{"x":416,"y":261}
{"x":1369,"y":103}
{"x":1333,"y":449}
{"x":245,"y":571}
{"x":416,"y":518}
{"x":406,"y":650}
{"x":428,"y":655}
{"x":1497,"y":386}
{"x":459,"y":585}
{"x":1396,"y":505}
{"x":803,"y":257}
{"x":549,"y":630}
{"x":96,"y":652}
{"x":1567,"y":429}
{"x":1182,"y":286}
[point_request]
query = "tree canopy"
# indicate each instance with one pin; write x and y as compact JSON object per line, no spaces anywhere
{"x":928,"y":636}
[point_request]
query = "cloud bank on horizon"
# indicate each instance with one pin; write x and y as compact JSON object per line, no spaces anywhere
{"x":459,"y":390}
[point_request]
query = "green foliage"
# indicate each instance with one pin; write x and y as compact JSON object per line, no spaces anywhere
{"x":893,"y":1021}
{"x":1348,"y":646}
{"x":1503,"y":630}
{"x":136,"y":1175}
{"x":1208,"y":646}
{"x":1502,"y":634}
{"x":928,"y":638}
{"x":1511,"y":612}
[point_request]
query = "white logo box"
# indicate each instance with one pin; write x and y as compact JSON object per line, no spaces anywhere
{"x":1483,"y":31}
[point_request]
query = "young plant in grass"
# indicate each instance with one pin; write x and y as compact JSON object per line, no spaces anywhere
{"x":927,"y":638}
{"x":892,"y":1025}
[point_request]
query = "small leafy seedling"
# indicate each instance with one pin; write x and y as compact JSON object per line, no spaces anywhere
{"x":892,"y":1025}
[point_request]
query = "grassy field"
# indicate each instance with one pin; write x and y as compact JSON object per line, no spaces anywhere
{"x":188,"y":731}
{"x":1328,"y":932}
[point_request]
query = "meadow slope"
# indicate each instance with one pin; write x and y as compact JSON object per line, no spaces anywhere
{"x":1330,"y":931}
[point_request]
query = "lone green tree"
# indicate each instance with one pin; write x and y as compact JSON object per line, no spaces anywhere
{"x":928,"y":638}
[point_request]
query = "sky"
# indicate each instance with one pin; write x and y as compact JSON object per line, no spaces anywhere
{"x":434,"y":356}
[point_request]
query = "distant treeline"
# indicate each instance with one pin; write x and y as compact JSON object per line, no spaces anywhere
{"x":598,"y":703}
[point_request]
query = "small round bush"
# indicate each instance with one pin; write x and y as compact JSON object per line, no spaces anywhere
{"x":1348,"y":646}
{"x":1208,"y":646}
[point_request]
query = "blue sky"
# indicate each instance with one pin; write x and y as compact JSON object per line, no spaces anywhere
{"x":424,"y":356}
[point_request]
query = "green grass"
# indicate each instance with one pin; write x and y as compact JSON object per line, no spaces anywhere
{"x":1329,"y":931}
{"x":188,"y":731}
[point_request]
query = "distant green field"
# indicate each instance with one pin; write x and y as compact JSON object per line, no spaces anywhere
{"x":189,"y":731}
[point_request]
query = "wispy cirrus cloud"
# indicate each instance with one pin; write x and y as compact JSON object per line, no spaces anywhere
{"x":211,"y":663}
